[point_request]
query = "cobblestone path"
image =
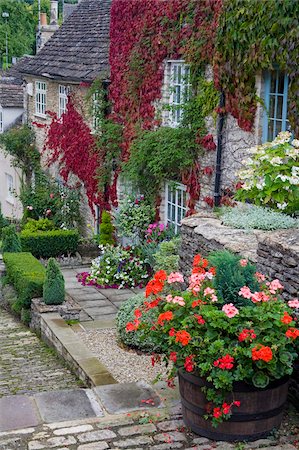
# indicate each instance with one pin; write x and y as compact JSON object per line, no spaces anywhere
{"x":26,"y":364}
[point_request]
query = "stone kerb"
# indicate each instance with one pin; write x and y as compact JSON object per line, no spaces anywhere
{"x":278,"y":257}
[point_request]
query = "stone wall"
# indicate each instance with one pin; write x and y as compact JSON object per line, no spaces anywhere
{"x":278,"y":257}
{"x":275,"y":253}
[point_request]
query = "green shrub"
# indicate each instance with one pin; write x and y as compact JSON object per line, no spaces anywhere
{"x":3,"y":222}
{"x":11,"y":240}
{"x":256,"y":217}
{"x":33,"y":225}
{"x":27,"y":275}
{"x":167,"y":257}
{"x":125,"y":314}
{"x":53,"y":291}
{"x":50,"y":243}
{"x":231,"y":276}
{"x":106,"y":229}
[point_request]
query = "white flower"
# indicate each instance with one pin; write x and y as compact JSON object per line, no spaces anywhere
{"x":276,"y":161}
{"x":282,"y":177}
{"x":294,"y":180}
{"x":295,"y":143}
{"x":282,"y":205}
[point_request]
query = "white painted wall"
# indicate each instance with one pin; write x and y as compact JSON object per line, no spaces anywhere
{"x":10,"y":205}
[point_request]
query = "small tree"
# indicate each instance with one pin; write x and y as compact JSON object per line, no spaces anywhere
{"x":106,"y":229}
{"x":11,"y":240}
{"x":53,"y":291}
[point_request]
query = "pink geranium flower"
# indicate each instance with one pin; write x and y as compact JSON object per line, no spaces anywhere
{"x":243,"y":262}
{"x":294,"y":303}
{"x":274,"y":286}
{"x":260,"y":297}
{"x":208,"y":291}
{"x":260,"y":277}
{"x":230,"y":310}
{"x":245,"y":292}
{"x":175,"y":277}
{"x":178,"y":300}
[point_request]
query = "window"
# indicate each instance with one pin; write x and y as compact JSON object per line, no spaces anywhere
{"x":176,"y":199}
{"x":276,"y":103}
{"x":10,"y":188}
{"x":63,"y":98}
{"x":40,"y":98}
{"x":179,"y":88}
{"x":1,"y":120}
{"x":96,"y":105}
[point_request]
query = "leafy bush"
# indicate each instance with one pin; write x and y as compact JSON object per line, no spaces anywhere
{"x":44,"y":244}
{"x":167,"y":257}
{"x":27,"y":275}
{"x":133,"y":217}
{"x":256,"y":217}
{"x":125,"y":314}
{"x":11,"y":240}
{"x":231,"y":276}
{"x":271,"y":176}
{"x":116,"y":267}
{"x":3,"y":222}
{"x":106,"y":229}
{"x":33,"y":225}
{"x":53,"y":289}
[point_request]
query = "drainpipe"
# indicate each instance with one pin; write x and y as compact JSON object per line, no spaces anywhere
{"x":217,"y":194}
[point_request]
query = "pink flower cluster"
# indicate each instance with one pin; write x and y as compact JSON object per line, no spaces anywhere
{"x":260,"y":277}
{"x":230,"y":310}
{"x":274,"y":286}
{"x":243,"y":262}
{"x":175,"y":300}
{"x":196,"y":280}
{"x":175,"y":277}
{"x":159,"y":227}
{"x":261,"y":296}
{"x":294,"y":303}
{"x":209,"y":291}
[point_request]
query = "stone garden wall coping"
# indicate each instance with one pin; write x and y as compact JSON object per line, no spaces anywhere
{"x":56,"y":333}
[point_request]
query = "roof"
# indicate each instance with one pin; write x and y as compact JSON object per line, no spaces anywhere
{"x":11,"y":86}
{"x":11,"y":96}
{"x":79,"y":50}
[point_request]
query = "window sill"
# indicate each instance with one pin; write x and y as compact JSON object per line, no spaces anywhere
{"x":41,"y":116}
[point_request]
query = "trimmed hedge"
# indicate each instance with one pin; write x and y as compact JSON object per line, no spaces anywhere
{"x":27,"y":275}
{"x":45,"y":244}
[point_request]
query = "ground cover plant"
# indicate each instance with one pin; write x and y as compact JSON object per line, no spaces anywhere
{"x":251,"y":217}
{"x":255,"y":343}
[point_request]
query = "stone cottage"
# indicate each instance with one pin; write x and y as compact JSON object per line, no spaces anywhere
{"x":69,"y":62}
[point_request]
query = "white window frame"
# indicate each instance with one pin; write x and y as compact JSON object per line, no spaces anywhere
{"x":179,"y":89}
{"x":63,"y":93}
{"x":40,"y":98}
{"x":1,"y":121}
{"x":10,"y":188}
{"x":176,"y":204}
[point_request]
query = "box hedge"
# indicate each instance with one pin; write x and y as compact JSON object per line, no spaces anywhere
{"x":45,"y":244}
{"x":27,"y":275}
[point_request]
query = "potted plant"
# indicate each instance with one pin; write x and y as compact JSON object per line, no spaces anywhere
{"x":233,"y":362}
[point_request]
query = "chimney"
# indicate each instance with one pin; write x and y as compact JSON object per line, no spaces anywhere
{"x":54,"y":12}
{"x":43,"y":19}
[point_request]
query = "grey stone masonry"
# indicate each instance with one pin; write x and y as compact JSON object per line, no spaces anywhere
{"x":278,"y":257}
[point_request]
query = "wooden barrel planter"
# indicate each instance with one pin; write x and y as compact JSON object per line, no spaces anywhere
{"x":260,"y":411}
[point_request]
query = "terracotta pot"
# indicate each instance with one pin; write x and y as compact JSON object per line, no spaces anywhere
{"x":260,"y":411}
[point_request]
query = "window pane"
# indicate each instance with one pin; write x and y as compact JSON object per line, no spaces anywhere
{"x":279,"y":107}
{"x":272,"y":107}
{"x":273,"y":83}
{"x":280,"y":83}
{"x":278,"y":126}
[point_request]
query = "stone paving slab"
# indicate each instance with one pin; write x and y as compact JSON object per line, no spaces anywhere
{"x":127,"y":397}
{"x":64,"y":405}
{"x":18,"y":411}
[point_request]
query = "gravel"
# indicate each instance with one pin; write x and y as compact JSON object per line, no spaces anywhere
{"x":124,"y":364}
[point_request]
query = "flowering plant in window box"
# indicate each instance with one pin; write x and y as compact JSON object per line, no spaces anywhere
{"x":223,"y":345}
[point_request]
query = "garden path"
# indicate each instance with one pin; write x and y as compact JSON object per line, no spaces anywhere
{"x":26,"y":364}
{"x":99,"y":305}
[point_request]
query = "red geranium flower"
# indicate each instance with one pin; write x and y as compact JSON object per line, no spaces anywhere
{"x":261,"y":352}
{"x":166,"y":316}
{"x":183,"y":337}
{"x":226,"y":362}
{"x":286,"y":318}
{"x":292,"y":333}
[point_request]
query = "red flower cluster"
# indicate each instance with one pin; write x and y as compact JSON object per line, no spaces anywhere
{"x":247,"y":334}
{"x":286,"y":319}
{"x":292,"y":333}
{"x":183,"y":337}
{"x":261,"y":352}
{"x":173,"y":356}
{"x":156,"y":285}
{"x":189,"y":363}
{"x":200,"y":319}
{"x":226,"y":362}
{"x":225,"y":409}
{"x":164,"y":317}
